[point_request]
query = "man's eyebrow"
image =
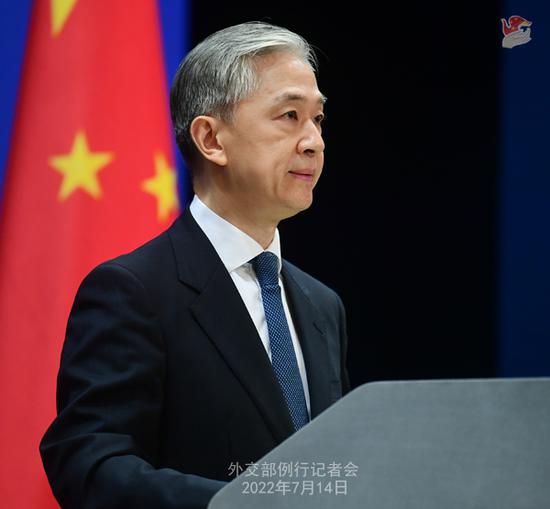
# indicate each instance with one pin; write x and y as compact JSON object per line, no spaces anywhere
{"x":293,"y":97}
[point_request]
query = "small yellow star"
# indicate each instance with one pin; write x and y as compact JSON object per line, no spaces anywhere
{"x":163,"y":187}
{"x":60,"y":10}
{"x":79,"y":168}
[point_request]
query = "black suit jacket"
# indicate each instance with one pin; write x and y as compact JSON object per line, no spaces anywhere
{"x":164,"y":382}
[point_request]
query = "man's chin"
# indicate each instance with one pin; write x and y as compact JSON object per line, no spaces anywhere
{"x":296,"y":207}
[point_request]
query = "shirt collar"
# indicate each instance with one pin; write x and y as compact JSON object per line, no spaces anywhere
{"x":234,"y":247}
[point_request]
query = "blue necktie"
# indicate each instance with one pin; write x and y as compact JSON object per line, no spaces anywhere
{"x":283,"y":357}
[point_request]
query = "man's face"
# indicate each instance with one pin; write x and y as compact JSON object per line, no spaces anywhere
{"x":274,"y":146}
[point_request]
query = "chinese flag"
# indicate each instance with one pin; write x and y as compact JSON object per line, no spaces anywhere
{"x":90,"y":176}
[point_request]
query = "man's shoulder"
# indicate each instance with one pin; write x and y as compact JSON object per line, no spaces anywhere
{"x":155,"y":249}
{"x":180,"y":250}
{"x":308,"y":283}
{"x":147,"y":260}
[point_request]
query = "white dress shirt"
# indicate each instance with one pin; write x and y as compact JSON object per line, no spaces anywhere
{"x":236,"y":249}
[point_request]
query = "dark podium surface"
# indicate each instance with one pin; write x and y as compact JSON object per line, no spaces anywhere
{"x":441,"y":444}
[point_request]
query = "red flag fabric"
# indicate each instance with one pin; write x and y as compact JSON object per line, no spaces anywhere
{"x":90,"y":175}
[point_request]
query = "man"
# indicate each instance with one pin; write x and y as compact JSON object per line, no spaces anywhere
{"x":180,"y":358}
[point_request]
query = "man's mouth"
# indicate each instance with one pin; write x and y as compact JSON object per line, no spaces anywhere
{"x":305,"y":174}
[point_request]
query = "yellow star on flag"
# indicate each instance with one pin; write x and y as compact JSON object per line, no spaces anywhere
{"x":163,"y":187}
{"x":79,"y":168}
{"x":60,"y":10}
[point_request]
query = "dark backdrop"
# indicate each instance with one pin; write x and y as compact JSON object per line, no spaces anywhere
{"x":404,"y":219}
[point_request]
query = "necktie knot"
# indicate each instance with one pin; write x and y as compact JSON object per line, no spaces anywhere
{"x":266,"y":266}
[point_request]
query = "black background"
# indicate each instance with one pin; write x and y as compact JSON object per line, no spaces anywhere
{"x":403,"y":224}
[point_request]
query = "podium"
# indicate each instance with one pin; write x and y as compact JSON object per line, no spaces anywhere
{"x":443,"y":444}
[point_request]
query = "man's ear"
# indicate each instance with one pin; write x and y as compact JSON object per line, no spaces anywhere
{"x":204,"y":131}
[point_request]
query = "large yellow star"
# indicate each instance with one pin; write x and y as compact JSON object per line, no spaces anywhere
{"x":60,"y":10}
{"x":79,"y":168}
{"x":163,"y":187}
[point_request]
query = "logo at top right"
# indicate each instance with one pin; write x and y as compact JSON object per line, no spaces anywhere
{"x":517,"y":31}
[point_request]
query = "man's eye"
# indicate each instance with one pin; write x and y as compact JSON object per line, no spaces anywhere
{"x":319,"y":119}
{"x":291,"y":114}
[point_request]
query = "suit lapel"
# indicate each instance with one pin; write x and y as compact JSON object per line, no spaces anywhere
{"x":223,"y":316}
{"x":310,"y":328}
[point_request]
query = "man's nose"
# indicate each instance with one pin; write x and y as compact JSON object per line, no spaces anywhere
{"x":311,"y":141}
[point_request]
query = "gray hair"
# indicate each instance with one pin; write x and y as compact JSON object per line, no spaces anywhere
{"x":219,"y":72}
